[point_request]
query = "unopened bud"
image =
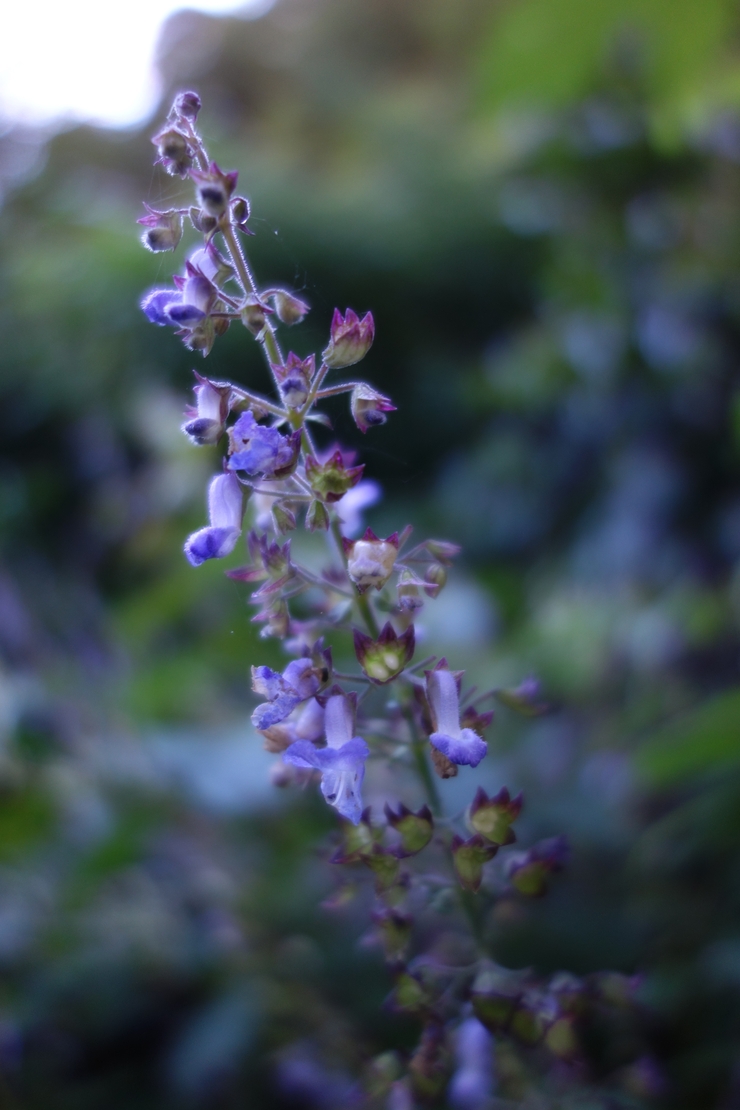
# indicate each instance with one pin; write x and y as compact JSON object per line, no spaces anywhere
{"x":175,"y":152}
{"x":370,"y":560}
{"x":383,"y":659}
{"x":493,"y":817}
{"x":254,"y":315}
{"x":289,"y":309}
{"x":414,"y":829}
{"x":435,"y":576}
{"x":213,"y":188}
{"x":350,"y":339}
{"x":164,"y":229}
{"x":240,"y":212}
{"x":409,"y":594}
{"x":469,"y":856}
{"x":368,"y":407}
{"x":187,"y":104}
{"x":201,"y":221}
{"x":283,"y":518}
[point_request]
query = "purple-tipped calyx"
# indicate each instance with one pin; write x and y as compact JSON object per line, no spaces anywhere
{"x":493,"y":817}
{"x":529,"y":871}
{"x":383,"y":659}
{"x":206,"y":421}
{"x":213,"y":189}
{"x":341,"y":762}
{"x":225,"y":504}
{"x":163,"y":229}
{"x":460,"y":745}
{"x":258,"y":449}
{"x":370,"y":560}
{"x":368,"y":407}
{"x":330,"y":480}
{"x":294,"y":378}
{"x":350,"y":339}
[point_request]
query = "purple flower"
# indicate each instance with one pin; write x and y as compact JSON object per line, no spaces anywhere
{"x":225,"y":515}
{"x":205,"y":423}
{"x":341,"y":762}
{"x":460,"y":745}
{"x":258,"y":449}
{"x":186,"y":305}
{"x":284,"y":692}
{"x":472,"y":1084}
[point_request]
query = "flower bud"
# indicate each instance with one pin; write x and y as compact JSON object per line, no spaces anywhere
{"x":317,"y":518}
{"x":414,"y":829}
{"x":202,"y":222}
{"x":429,"y":1066}
{"x":383,"y":659}
{"x":288,"y":308}
{"x":294,"y":379}
{"x":254,"y":315}
{"x":175,"y":152}
{"x":435,"y":577}
{"x":240,"y":214}
{"x":350,"y":339}
{"x":283,"y":518}
{"x":368,"y":407}
{"x":469,"y":856}
{"x":492,"y":817}
{"x":443,"y":550}
{"x":207,"y":420}
{"x":201,"y":337}
{"x":212,"y":264}
{"x":213,"y":189}
{"x":187,"y":104}
{"x":331,"y":480}
{"x":409,"y":595}
{"x":370,"y":561}
{"x":164,"y":229}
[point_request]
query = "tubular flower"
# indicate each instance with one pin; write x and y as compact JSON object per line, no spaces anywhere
{"x":225,"y":515}
{"x":459,"y":745}
{"x":258,"y":449}
{"x":284,"y":692}
{"x":341,"y":762}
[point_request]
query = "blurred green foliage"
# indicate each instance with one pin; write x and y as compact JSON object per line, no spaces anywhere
{"x":538,"y":200}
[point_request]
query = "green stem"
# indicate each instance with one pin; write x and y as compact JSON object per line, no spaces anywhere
{"x":418,"y":748}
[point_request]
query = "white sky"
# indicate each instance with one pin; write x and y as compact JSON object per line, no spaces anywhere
{"x":87,"y":59}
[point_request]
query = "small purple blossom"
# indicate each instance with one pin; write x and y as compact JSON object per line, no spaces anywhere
{"x":472,"y":1083}
{"x":225,"y":515}
{"x":284,"y":692}
{"x":368,"y":407}
{"x":184,"y":306}
{"x":459,"y":745}
{"x":259,"y":449}
{"x":205,"y":423}
{"x":341,"y":762}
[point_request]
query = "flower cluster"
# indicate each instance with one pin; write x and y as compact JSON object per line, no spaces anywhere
{"x":327,"y":725}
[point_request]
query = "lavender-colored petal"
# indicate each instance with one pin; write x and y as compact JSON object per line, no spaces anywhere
{"x":300,"y":675}
{"x":258,"y":457}
{"x":342,"y":771}
{"x":464,"y":748}
{"x":184,"y":315}
{"x":244,"y":427}
{"x":302,"y":753}
{"x":272,"y":712}
{"x":210,"y":543}
{"x":225,"y":502}
{"x":154,"y":304}
{"x":341,"y":781}
{"x":267,"y":682}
